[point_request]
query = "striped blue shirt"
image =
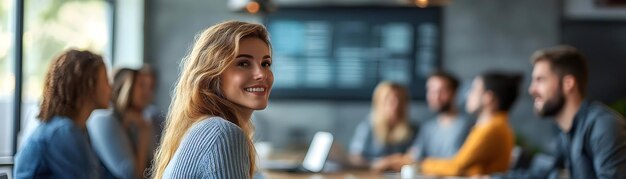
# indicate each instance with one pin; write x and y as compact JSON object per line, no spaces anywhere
{"x":212,"y":148}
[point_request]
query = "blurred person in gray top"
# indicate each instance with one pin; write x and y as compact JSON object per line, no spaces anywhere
{"x":442,"y":136}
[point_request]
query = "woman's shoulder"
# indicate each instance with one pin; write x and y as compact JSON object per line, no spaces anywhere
{"x":57,"y":134}
{"x":103,"y":120}
{"x":214,"y":129}
{"x":211,"y":145}
{"x":216,"y":123}
{"x":211,"y":134}
{"x":104,"y":116}
{"x":57,"y":128}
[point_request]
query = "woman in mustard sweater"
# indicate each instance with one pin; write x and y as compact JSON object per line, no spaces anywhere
{"x":488,"y":147}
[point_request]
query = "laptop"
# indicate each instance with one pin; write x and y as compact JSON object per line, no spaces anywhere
{"x":313,"y":161}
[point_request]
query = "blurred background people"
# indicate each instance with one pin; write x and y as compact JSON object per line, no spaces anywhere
{"x":489,"y":144}
{"x":442,"y":136}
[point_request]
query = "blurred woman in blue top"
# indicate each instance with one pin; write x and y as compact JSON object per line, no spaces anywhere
{"x":122,"y":137}
{"x":76,"y":83}
{"x":387,"y":131}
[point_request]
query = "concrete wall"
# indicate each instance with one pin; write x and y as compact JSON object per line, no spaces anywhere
{"x":478,"y":35}
{"x":484,"y":34}
{"x":603,"y":43}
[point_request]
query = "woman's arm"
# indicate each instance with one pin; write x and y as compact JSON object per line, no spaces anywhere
{"x":112,"y":144}
{"x":358,"y":146}
{"x":145,"y":139}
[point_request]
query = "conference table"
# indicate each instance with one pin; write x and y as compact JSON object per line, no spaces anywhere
{"x":356,"y":174}
{"x":296,"y":156}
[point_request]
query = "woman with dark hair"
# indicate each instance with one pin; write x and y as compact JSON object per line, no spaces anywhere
{"x":121,"y":137}
{"x":76,"y":83}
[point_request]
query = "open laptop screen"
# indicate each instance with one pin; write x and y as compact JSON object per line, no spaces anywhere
{"x":318,"y":152}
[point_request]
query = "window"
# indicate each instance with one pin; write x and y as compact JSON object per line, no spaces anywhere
{"x":7,"y":77}
{"x":50,"y":27}
{"x":7,"y":84}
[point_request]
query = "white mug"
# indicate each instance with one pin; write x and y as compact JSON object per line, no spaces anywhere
{"x":409,"y":171}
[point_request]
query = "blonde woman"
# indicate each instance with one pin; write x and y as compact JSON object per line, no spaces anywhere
{"x":224,"y":79}
{"x":122,"y":137}
{"x":387,"y":131}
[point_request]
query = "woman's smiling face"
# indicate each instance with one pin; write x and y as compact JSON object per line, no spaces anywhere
{"x":248,"y":81}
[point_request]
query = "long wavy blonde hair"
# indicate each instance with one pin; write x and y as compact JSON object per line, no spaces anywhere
{"x":197,"y":92}
{"x":384,"y":131}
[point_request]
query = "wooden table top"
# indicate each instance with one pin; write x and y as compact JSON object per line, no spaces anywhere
{"x":350,"y":174}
